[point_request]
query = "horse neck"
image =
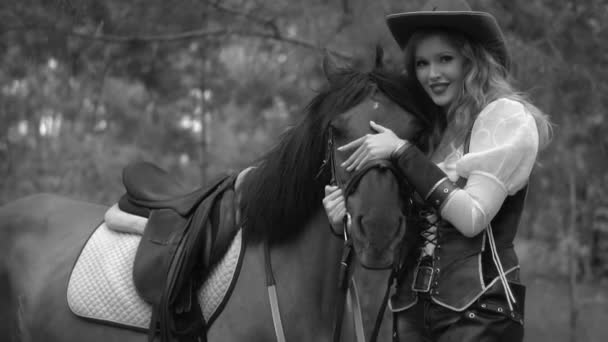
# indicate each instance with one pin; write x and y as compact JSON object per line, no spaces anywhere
{"x":306,"y":270}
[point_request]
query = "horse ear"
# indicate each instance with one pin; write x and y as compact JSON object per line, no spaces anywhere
{"x":379,"y":62}
{"x":331,"y":69}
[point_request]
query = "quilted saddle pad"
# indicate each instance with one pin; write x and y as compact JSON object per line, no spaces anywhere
{"x":101,"y":284}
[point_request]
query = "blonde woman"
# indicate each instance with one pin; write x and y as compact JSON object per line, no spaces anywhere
{"x":462,"y":281}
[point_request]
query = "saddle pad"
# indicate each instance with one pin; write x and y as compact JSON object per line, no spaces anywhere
{"x":101,"y":284}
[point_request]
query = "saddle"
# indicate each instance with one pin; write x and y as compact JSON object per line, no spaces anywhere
{"x":186,"y":233}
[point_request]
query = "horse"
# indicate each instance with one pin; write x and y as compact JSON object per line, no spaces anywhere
{"x":281,"y":208}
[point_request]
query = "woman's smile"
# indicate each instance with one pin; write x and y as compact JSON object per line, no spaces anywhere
{"x":439,"y":88}
{"x":439,"y":69}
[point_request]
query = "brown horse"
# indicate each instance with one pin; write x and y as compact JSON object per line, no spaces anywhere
{"x":42,"y":235}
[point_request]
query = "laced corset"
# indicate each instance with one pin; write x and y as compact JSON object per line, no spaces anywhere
{"x":429,"y":218}
{"x":429,"y":221}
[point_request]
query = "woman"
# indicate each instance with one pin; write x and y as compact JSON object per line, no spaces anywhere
{"x":463,"y":282}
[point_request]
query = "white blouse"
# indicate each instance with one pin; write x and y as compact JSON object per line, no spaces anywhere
{"x":502,"y":152}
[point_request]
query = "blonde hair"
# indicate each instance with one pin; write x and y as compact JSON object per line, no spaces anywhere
{"x":485,"y":80}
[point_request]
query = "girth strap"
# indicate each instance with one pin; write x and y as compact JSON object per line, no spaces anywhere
{"x":272,"y":295}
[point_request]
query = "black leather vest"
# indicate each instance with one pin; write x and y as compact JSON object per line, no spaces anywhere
{"x":463,"y":268}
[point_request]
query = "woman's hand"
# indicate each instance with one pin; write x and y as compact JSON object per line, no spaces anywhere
{"x":335,"y":207}
{"x":372,"y":147}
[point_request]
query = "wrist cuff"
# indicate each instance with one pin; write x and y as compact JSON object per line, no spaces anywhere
{"x":422,"y":174}
{"x":440,"y":192}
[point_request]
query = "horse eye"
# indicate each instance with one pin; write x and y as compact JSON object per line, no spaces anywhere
{"x":337,"y":131}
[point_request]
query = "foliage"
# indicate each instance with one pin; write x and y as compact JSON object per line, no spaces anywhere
{"x":202,"y":87}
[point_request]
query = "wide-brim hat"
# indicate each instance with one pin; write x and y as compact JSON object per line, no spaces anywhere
{"x":451,"y":15}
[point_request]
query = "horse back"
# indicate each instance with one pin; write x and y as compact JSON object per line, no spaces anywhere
{"x":46,"y":220}
{"x":40,"y":238}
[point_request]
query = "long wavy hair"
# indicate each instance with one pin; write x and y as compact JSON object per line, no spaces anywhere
{"x":485,"y":80}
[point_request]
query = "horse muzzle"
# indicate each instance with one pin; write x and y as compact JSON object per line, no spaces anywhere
{"x":377,"y":243}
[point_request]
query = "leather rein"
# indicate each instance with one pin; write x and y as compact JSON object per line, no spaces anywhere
{"x":345,"y":285}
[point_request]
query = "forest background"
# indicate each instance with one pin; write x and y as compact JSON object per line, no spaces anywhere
{"x":205,"y":86}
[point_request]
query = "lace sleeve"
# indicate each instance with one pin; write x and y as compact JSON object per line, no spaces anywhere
{"x":504,"y":145}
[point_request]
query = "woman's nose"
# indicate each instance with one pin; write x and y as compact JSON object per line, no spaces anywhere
{"x":434,"y":72}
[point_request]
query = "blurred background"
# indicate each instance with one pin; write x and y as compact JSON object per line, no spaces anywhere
{"x":202,"y":87}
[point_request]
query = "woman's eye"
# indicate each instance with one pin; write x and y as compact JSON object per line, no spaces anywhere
{"x":420,"y":64}
{"x":446,"y":59}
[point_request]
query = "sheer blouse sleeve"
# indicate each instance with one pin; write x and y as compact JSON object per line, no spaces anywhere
{"x":502,"y":153}
{"x":504,"y":145}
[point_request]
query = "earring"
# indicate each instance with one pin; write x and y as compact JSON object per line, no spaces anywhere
{"x":376,"y":105}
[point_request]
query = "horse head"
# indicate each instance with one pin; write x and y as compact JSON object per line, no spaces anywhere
{"x":376,"y":195}
{"x":287,"y":187}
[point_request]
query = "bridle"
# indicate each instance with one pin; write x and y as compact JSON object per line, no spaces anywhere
{"x":349,"y":186}
{"x":345,"y":283}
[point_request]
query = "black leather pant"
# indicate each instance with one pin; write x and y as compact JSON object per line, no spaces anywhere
{"x":487,"y":320}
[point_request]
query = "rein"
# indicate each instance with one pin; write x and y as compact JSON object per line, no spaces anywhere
{"x":345,"y":285}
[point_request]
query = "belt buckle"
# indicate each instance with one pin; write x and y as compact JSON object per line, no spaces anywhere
{"x":423,"y":277}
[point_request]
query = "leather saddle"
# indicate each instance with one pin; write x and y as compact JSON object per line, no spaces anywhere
{"x":187,"y":232}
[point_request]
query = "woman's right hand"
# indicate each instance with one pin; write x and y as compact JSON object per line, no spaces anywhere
{"x":335,"y":206}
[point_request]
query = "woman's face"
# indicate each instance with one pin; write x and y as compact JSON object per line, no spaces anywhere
{"x":439,"y":68}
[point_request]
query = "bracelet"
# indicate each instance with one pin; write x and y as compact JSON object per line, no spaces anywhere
{"x":402,"y":146}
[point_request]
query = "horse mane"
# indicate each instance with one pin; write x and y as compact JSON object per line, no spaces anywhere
{"x":285,"y":189}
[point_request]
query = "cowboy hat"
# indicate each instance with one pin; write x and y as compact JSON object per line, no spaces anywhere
{"x":451,"y":15}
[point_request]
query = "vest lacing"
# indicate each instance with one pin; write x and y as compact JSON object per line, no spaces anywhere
{"x":428,"y":233}
{"x":430,"y":220}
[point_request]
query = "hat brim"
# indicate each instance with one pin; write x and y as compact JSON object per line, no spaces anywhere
{"x":479,"y":26}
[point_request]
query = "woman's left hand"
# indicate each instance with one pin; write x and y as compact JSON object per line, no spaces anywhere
{"x":371,"y":147}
